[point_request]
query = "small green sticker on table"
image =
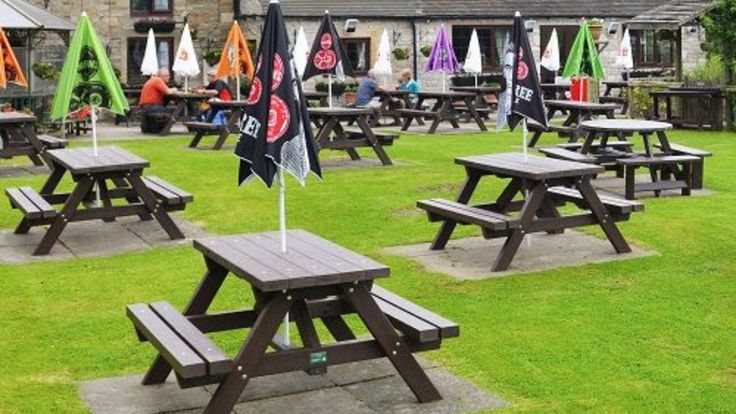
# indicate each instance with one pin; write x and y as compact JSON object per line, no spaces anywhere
{"x":318,"y":358}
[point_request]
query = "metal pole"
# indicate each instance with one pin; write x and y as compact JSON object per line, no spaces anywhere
{"x":282,"y":228}
{"x":329,"y":89}
{"x":524,"y":139}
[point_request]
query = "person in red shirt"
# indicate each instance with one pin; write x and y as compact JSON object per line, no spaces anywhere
{"x":218,"y":89}
{"x":153,"y":102}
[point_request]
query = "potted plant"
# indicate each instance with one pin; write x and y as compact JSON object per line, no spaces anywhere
{"x":400,"y":53}
{"x":159,"y":25}
{"x":425,"y":50}
{"x":45,"y":71}
{"x":351,"y":89}
{"x":338,"y":88}
{"x":596,"y":28}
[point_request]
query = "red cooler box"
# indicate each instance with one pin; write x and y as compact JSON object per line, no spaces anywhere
{"x":579,"y":88}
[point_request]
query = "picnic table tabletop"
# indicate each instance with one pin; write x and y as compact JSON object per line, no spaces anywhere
{"x":220,"y":104}
{"x":15,"y":117}
{"x":109,"y":158}
{"x":190,"y":95}
{"x":580,"y":105}
{"x":616,"y":84}
{"x":625,"y":125}
{"x":476,"y":89}
{"x":339,"y":111}
{"x":555,"y":86}
{"x":393,"y":92}
{"x":309,"y":260}
{"x":534,"y":167}
{"x":444,"y":95}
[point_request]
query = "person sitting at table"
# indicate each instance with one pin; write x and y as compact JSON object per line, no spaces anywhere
{"x":218,"y":89}
{"x":153,"y":101}
{"x":407,"y":83}
{"x":366,"y":90}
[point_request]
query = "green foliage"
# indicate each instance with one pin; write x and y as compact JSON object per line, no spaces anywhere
{"x":45,"y":71}
{"x":641,"y":105}
{"x":720,"y":33}
{"x":401,"y":53}
{"x":425,"y":50}
{"x":711,"y":73}
{"x":212,"y":57}
{"x":338,"y":87}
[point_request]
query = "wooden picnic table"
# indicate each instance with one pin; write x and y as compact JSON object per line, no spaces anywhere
{"x":320,"y":98}
{"x":443,"y":110}
{"x":544,"y":184}
{"x":234,"y":111}
{"x":18,"y":138}
{"x":389,"y":99}
{"x":184,"y":101}
{"x":314,"y":279}
{"x":619,"y":98}
{"x":555,"y":90}
{"x":577,"y":111}
{"x":333,"y":135}
{"x":481,"y":104}
{"x":145,"y":196}
{"x":706,"y":105}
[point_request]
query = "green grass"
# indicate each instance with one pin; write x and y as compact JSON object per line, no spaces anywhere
{"x":652,"y":334}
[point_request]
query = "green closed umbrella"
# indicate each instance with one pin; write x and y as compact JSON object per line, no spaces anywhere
{"x":583,"y":58}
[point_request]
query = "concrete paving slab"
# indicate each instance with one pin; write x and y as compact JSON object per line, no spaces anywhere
{"x":280,"y":385}
{"x":392,"y":395}
{"x":355,"y":372}
{"x":614,"y":186}
{"x":331,"y":400}
{"x":96,"y":238}
{"x":472,"y":257}
{"x":22,"y":170}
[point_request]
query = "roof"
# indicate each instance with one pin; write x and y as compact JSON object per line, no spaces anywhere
{"x":19,"y":15}
{"x":671,"y":15}
{"x":470,"y":9}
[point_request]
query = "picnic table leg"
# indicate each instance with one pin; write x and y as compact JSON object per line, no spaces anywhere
{"x":323,"y":135}
{"x":377,"y":147}
{"x":198,"y":305}
{"x":588,"y":143}
{"x":52,"y":182}
{"x":470,"y":102}
{"x":442,"y":114}
{"x":29,"y":133}
{"x":120,"y":183}
{"x":104,"y":197}
{"x":341,"y":135}
{"x":394,"y":348}
{"x":601,"y":213}
{"x":230,"y":127}
{"x":84,"y":185}
{"x":338,"y":328}
{"x":526,"y":216}
{"x":163,"y":218}
{"x":448,"y":226}
{"x":174,"y":117}
{"x":307,"y":332}
{"x":245,"y":364}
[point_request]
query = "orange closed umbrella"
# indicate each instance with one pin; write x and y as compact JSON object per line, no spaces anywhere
{"x":10,"y":70}
{"x":235,"y":58}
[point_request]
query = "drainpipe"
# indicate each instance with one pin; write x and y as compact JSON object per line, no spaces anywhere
{"x":236,"y":9}
{"x":415,"y":46}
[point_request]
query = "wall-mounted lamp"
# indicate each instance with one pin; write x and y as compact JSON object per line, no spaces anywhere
{"x":351,"y":25}
{"x":529,"y":25}
{"x":613,"y":28}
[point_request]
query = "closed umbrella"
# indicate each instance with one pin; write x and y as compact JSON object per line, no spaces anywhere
{"x":383,"y":57}
{"x":235,"y":59}
{"x":624,"y":58}
{"x":149,"y":66}
{"x":301,"y":51}
{"x":186,"y":63}
{"x":473,"y":63}
{"x":442,"y":57}
{"x":551,"y":55}
{"x":583,"y":58}
{"x":10,"y":70}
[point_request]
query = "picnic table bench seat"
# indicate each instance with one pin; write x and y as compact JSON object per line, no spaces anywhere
{"x":170,"y":196}
{"x":566,"y":154}
{"x":385,"y":138}
{"x":51,"y":142}
{"x":697,"y":167}
{"x":28,"y":201}
{"x":595,"y":146}
{"x":414,"y":113}
{"x":658,"y":164}
{"x":205,"y":127}
{"x":618,"y":207}
{"x":440,"y":210}
{"x":538,"y":130}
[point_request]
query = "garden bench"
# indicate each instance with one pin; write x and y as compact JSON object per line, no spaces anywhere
{"x":444,"y":110}
{"x":30,"y":203}
{"x":697,"y":166}
{"x":332,"y":134}
{"x":385,"y":138}
{"x":658,"y":164}
{"x":440,"y":210}
{"x":169,"y":196}
{"x":566,"y":154}
{"x":617,"y":207}
{"x":51,"y":142}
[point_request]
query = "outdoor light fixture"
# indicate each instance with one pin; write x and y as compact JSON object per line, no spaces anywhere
{"x":613,"y":28}
{"x":529,"y":25}
{"x":351,"y":25}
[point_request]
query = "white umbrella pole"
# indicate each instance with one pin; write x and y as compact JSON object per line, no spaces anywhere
{"x":525,"y":133}
{"x":476,"y":80}
{"x":282,"y":228}
{"x":329,"y":89}
{"x":237,"y":83}
{"x":186,"y":83}
{"x":443,"y":81}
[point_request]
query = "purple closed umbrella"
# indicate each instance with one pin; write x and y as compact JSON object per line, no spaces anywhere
{"x":442,"y":58}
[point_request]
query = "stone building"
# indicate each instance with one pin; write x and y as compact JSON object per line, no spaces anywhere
{"x":412,"y":25}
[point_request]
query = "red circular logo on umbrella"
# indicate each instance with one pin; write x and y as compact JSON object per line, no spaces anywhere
{"x":278,"y":72}
{"x":325,"y":59}
{"x":326,"y":41}
{"x":255,"y":92}
{"x":522,"y":71}
{"x":278,"y":119}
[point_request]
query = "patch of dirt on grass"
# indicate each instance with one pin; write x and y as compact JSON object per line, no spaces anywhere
{"x":449,"y":187}
{"x":406,"y":212}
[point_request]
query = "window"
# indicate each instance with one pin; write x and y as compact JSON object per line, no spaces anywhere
{"x":136,"y":49}
{"x":492,"y":41}
{"x":151,"y":6}
{"x":653,"y":49}
{"x":565,"y":36}
{"x":359,"y":54}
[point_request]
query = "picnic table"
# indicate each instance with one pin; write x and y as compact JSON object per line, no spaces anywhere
{"x":234,"y":111}
{"x":544,"y":184}
{"x":577,"y":111}
{"x":389,"y":99}
{"x":668,"y":170}
{"x":315,"y":279}
{"x":320,"y":98}
{"x":555,"y":90}
{"x":481,"y":104}
{"x":18,"y":138}
{"x":145,"y":197}
{"x":184,"y":101}
{"x":331,"y":134}
{"x":705,"y":106}
{"x":618,"y":98}
{"x":443,"y":110}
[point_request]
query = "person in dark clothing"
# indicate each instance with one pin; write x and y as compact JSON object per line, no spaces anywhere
{"x":219,"y":89}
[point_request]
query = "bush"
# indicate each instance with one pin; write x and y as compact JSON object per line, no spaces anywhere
{"x":45,"y":71}
{"x":401,"y":53}
{"x":338,"y":88}
{"x":711,"y":73}
{"x":425,"y":50}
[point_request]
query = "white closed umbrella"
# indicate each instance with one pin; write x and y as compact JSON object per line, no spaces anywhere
{"x":301,"y":51}
{"x":186,"y":63}
{"x":383,"y":58}
{"x":624,"y":59}
{"x":551,"y":55}
{"x":473,"y":63}
{"x":149,"y":66}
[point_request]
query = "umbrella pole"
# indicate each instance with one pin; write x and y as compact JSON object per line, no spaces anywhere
{"x":93,"y":115}
{"x":476,"y":80}
{"x":443,"y":81}
{"x":329,"y":89}
{"x":237,"y":83}
{"x":186,"y":83}
{"x":282,"y":228}
{"x":525,"y":133}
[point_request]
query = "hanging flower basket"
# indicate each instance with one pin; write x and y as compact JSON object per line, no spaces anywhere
{"x":212,"y":57}
{"x":158,"y":25}
{"x":401,"y":53}
{"x":425,"y":50}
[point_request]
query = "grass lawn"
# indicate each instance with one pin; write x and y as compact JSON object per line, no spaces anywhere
{"x":652,"y":334}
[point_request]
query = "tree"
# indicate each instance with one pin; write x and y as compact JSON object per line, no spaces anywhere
{"x":721,"y":40}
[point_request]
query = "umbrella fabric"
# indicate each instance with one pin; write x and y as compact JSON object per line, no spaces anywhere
{"x":442,"y":58}
{"x":11,"y":71}
{"x":87,"y":78}
{"x":583,"y":58}
{"x":328,"y":55}
{"x":235,"y":56}
{"x":383,"y":57}
{"x":275,"y":128}
{"x":185,"y":63}
{"x":523,"y":94}
{"x":473,"y":63}
{"x":551,"y":55}
{"x":624,"y":58}
{"x":301,"y":51}
{"x":149,"y":66}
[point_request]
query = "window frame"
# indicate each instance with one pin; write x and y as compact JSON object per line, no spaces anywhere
{"x":135,"y":78}
{"x":639,"y":62}
{"x":369,"y":58}
{"x":493,"y":28}
{"x":150,"y":11}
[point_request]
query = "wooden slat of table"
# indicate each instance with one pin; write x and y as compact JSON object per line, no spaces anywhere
{"x":625,"y":125}
{"x":218,"y":104}
{"x":535,"y":168}
{"x":326,"y":112}
{"x":15,"y":118}
{"x":83,"y":160}
{"x":445,"y":95}
{"x":586,"y":106}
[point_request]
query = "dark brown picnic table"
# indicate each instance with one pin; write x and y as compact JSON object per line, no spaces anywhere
{"x":707,"y":105}
{"x":234,"y":112}
{"x":555,"y":90}
{"x":443,"y":110}
{"x":314,"y":279}
{"x":331,"y":134}
{"x":544,"y":184}
{"x":184,"y":100}
{"x":389,"y":100}
{"x":18,"y":138}
{"x":618,"y":98}
{"x":320,"y":98}
{"x":577,"y":111}
{"x":481,"y":104}
{"x":144,"y":196}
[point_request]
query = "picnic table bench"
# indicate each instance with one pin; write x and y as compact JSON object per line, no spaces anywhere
{"x":577,"y":111}
{"x":706,"y":107}
{"x":314,"y":279}
{"x":18,"y":138}
{"x":391,"y":101}
{"x":184,"y":100}
{"x":333,"y":135}
{"x":146,"y":197}
{"x":544,"y":183}
{"x":481,"y":104}
{"x":443,"y":110}
{"x":233,"y":111}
